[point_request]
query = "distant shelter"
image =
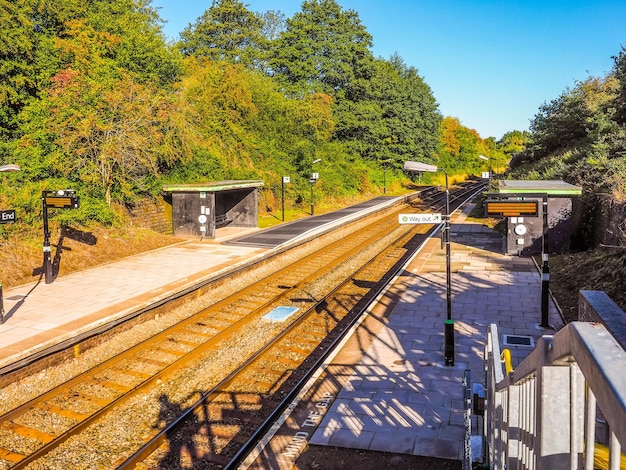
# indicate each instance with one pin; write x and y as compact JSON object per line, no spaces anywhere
{"x":199,"y":209}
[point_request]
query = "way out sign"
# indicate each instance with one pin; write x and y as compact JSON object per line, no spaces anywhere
{"x":419,"y":218}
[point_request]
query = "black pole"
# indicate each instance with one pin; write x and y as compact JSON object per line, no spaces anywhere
{"x":449,"y":323}
{"x":282,"y":192}
{"x":312,"y":203}
{"x":47,"y":264}
{"x":1,"y":305}
{"x":385,"y":180}
{"x":545,"y":269}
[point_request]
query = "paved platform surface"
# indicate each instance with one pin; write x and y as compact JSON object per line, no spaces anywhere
{"x":401,"y":397}
{"x":388,"y":389}
{"x":39,"y":316}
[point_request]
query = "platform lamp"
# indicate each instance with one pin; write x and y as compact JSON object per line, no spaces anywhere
{"x":385,"y":174}
{"x":5,"y":168}
{"x":313,"y":180}
{"x":482,"y":157}
{"x":448,"y":332}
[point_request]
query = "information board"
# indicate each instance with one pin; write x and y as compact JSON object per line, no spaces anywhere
{"x":512,"y":208}
{"x":61,"y":202}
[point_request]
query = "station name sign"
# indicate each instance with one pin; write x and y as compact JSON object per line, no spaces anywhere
{"x":511,"y":208}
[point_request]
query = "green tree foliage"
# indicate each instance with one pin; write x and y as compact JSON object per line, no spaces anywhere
{"x":397,"y":118}
{"x":92,"y":97}
{"x":461,"y":147}
{"x":324,"y":48}
{"x":97,"y":123}
{"x":514,"y":142}
{"x":580,"y":136}
{"x":619,"y":72}
{"x":383,"y":109}
{"x":229,"y":32}
{"x":141,"y":48}
{"x":29,"y":54}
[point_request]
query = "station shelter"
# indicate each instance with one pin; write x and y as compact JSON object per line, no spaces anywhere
{"x":199,"y":209}
{"x":535,"y":211}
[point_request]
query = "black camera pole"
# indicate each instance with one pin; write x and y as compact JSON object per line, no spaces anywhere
{"x":47,"y":263}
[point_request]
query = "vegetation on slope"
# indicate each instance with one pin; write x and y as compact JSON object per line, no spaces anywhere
{"x":93,"y":98}
{"x":580,"y":137}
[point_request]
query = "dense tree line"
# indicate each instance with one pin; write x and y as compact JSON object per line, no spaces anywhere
{"x":94,"y":98}
{"x":580,"y":136}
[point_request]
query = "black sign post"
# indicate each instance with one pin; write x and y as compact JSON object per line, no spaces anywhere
{"x":63,"y":199}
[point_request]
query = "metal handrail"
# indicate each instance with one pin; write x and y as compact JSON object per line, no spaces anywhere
{"x":543,"y":413}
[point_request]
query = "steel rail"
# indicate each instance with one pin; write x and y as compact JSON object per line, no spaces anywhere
{"x":166,"y":335}
{"x":161,"y":437}
{"x":201,"y":404}
{"x":51,"y":442}
{"x":186,"y":358}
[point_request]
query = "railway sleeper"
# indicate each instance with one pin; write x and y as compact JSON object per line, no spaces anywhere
{"x":65,"y":412}
{"x":11,"y":456}
{"x":30,"y":433}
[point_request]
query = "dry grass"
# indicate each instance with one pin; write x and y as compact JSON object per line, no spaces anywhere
{"x":601,"y":269}
{"x":21,"y":258}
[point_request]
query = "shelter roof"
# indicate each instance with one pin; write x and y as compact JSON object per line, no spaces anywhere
{"x":214,"y":186}
{"x":549,"y":187}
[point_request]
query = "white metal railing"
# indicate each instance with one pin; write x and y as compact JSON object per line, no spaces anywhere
{"x":543,"y":415}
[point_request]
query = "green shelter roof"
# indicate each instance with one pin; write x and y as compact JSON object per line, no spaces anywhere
{"x":549,"y":187}
{"x":212,"y":187}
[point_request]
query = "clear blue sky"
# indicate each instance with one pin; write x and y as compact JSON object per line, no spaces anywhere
{"x":490,"y":63}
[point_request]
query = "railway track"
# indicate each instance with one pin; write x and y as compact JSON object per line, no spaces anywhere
{"x":200,"y":389}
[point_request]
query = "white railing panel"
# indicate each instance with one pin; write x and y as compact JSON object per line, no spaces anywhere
{"x":539,"y":407}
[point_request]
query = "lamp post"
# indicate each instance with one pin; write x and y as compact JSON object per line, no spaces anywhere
{"x":284,"y":180}
{"x":448,"y":331}
{"x":482,"y":157}
{"x":385,"y":174}
{"x":312,"y":181}
{"x":6,"y":168}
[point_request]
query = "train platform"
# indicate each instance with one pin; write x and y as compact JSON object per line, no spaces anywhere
{"x":387,"y":391}
{"x":40,"y":318}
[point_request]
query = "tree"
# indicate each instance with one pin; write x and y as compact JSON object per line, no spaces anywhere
{"x":227,"y":31}
{"x":97,"y":124}
{"x":619,"y":72}
{"x":460,"y":147}
{"x":29,"y":54}
{"x":141,"y":48}
{"x":325,"y":49}
{"x":16,"y":69}
{"x":397,"y":119}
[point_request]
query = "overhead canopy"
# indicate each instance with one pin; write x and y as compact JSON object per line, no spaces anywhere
{"x":214,"y":186}
{"x":419,"y":166}
{"x":549,"y":187}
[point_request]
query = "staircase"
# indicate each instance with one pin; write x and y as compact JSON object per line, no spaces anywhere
{"x":562,"y":407}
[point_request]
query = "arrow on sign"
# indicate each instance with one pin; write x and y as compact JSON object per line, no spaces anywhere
{"x":419,"y":218}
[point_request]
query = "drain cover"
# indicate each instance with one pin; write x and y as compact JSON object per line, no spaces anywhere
{"x":280,"y":313}
{"x":517,"y":340}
